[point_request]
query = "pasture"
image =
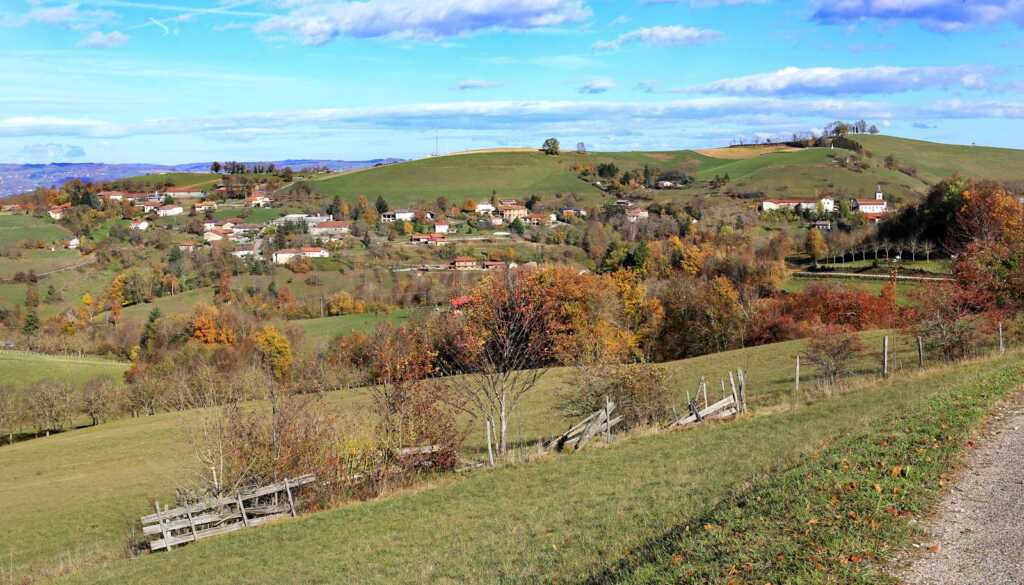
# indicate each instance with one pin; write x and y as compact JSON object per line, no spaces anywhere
{"x":605,"y":514}
{"x":106,"y":476}
{"x":15,"y":229}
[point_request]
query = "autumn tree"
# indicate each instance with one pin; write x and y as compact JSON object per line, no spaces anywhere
{"x":815,"y":245}
{"x":274,"y":351}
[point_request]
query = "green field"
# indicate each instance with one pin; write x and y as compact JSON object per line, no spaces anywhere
{"x":18,"y":228}
{"x":801,"y":173}
{"x":18,"y":368}
{"x":199,"y":180}
{"x":604,"y":514}
{"x":935,"y":161}
{"x":322,"y":330}
{"x":109,"y":474}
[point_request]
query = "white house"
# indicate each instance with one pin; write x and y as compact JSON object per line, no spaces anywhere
{"x":330,"y":228}
{"x":285,"y":255}
{"x":258,"y":200}
{"x":872,"y":206}
{"x":482,"y":208}
{"x":635,"y":214}
{"x":169,"y":210}
{"x":202,"y":206}
{"x":397,"y":215}
{"x":510,"y":213}
{"x":58,"y":212}
{"x":73,"y":243}
{"x":139,"y":225}
{"x":441,"y":227}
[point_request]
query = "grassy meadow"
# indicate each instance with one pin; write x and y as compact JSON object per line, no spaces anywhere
{"x":107,"y":475}
{"x":935,"y":161}
{"x":15,"y":229}
{"x":320,"y":331}
{"x":609,"y":514}
{"x":20,"y":368}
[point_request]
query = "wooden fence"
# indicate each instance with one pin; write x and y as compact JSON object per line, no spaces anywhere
{"x":170,"y":527}
{"x":600,"y":422}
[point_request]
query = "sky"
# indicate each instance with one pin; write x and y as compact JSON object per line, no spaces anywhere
{"x":181,"y":81}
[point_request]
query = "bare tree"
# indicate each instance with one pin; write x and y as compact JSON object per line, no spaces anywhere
{"x":506,"y":353}
{"x":832,"y":348}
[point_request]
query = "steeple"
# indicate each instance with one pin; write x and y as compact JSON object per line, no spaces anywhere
{"x":879,"y":196}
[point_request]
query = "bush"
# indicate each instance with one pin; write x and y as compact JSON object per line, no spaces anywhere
{"x":638,"y":391}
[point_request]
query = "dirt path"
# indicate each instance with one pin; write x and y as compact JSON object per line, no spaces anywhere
{"x":977,"y":533}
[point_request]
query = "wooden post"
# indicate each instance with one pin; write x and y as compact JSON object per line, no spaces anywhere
{"x":607,"y":419}
{"x":163,"y":529}
{"x":920,"y":352}
{"x":885,"y":356}
{"x":796,"y":382}
{"x":291,"y":502}
{"x":191,"y":523}
{"x":1002,"y":346}
{"x":704,"y":387}
{"x":732,"y":383}
{"x":241,"y":509}
{"x":743,"y":387}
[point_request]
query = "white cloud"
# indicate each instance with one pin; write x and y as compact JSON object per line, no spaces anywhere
{"x":467,"y":84}
{"x":598,"y":85}
{"x":986,"y":109}
{"x":938,"y":15}
{"x":706,"y":3}
{"x":100,"y":40}
{"x":863,"y":80}
{"x":319,"y":21}
{"x":664,"y":36}
{"x":51,"y":152}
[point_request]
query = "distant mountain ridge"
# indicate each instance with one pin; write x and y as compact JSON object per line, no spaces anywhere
{"x":19,"y":178}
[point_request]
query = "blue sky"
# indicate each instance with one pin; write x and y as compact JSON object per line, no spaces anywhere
{"x":192,"y":80}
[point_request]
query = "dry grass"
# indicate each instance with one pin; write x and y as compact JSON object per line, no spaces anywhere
{"x":742,"y":152}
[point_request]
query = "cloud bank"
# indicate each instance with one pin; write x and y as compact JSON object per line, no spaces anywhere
{"x":316,"y":22}
{"x":661,"y":36}
{"x":859,"y":80}
{"x":939,"y":15}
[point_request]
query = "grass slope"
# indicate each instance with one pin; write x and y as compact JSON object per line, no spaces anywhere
{"x":18,"y":228}
{"x":327,"y":328}
{"x":198,"y":180}
{"x":776,"y":172}
{"x":18,"y":368}
{"x":935,"y":161}
{"x":570,"y":518}
{"x":104,"y":477}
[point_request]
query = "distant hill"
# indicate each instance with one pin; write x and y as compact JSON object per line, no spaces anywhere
{"x":19,"y":178}
{"x":753,"y":172}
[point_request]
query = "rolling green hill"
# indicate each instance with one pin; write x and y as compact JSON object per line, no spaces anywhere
{"x":605,"y":511}
{"x":105,"y":477}
{"x":784,"y":173}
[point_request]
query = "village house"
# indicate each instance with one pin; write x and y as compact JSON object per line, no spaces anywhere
{"x":169,"y":210}
{"x":184,"y":192}
{"x":217,"y":235}
{"x":822,"y":225}
{"x":397,"y":215}
{"x":331,"y":228}
{"x":465,"y":263}
{"x":568,"y":213}
{"x":429,"y":239}
{"x":258,"y":200}
{"x":150,"y":204}
{"x":139,"y":225}
{"x":878,"y":205}
{"x":188,"y":247}
{"x":286,"y":255}
{"x":73,"y":243}
{"x":204,"y":206}
{"x":441,"y":227}
{"x":484,"y":208}
{"x":508,"y":202}
{"x":510,"y":213}
{"x":635,"y":214}
{"x":57,"y":211}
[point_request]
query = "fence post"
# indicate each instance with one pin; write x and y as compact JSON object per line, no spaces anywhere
{"x":1002,"y":346}
{"x":191,"y":523}
{"x":291,"y":502}
{"x":163,"y":528}
{"x":796,"y":383}
{"x":920,"y":352}
{"x":885,"y":356}
{"x":241,"y":508}
{"x":743,"y":387}
{"x":607,"y":419}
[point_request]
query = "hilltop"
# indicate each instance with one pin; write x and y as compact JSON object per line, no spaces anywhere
{"x":753,"y":171}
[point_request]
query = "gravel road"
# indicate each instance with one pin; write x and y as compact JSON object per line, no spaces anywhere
{"x":977,"y":533}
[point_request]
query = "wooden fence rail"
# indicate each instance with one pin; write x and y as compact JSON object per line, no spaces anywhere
{"x":580,"y":434}
{"x":176,"y":526}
